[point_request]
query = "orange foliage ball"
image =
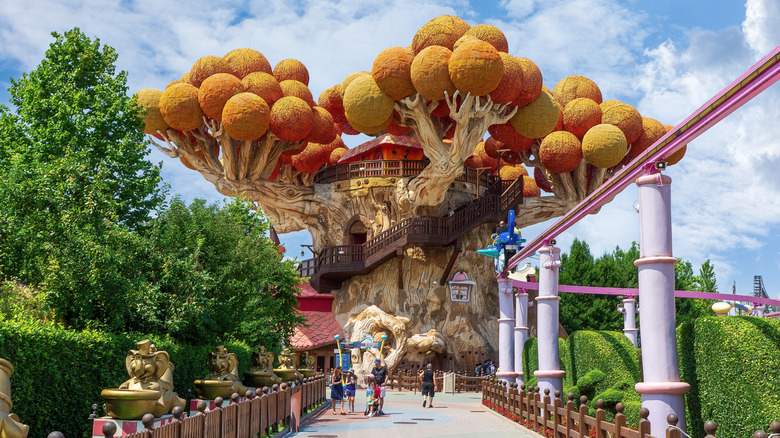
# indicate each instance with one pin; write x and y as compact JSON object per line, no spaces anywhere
{"x":581,"y":114}
{"x":264,"y":85}
{"x":476,"y":67}
{"x":291,"y":87}
{"x":291,"y":69}
{"x":652,"y":131}
{"x":492,"y":146}
{"x":511,"y":173}
{"x":291,"y":119}
{"x":507,"y":135}
{"x":149,"y":99}
{"x":336,"y":155}
{"x":560,"y":152}
{"x":392,"y":71}
{"x":430,"y":73}
{"x":607,"y":104}
{"x":245,"y":61}
{"x":530,"y":188}
{"x":215,"y":91}
{"x":180,"y":108}
{"x":246,"y":117}
{"x":395,"y":129}
{"x":330,"y":99}
{"x":443,"y":30}
{"x":572,"y":87}
{"x":491,"y":34}
{"x":677,"y":156}
{"x":511,"y":83}
{"x":207,"y":66}
{"x":311,"y":158}
{"x":625,"y":117}
{"x":532,"y":83}
{"x":323,"y":129}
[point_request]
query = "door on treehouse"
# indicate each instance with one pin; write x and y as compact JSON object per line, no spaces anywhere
{"x":357,"y":236}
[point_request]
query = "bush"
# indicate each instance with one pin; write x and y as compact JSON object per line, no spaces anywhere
{"x":610,"y":352}
{"x":731,"y":362}
{"x":587,"y":383}
{"x":59,"y":373}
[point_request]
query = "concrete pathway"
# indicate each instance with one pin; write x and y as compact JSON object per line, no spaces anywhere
{"x":458,"y":415}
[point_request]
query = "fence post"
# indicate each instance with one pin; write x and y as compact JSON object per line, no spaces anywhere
{"x":522,"y":405}
{"x":545,"y":411}
{"x":513,"y":400}
{"x":178,"y":413}
{"x":671,"y":430}
{"x":644,"y":423}
{"x":148,"y":421}
{"x":557,"y":403}
{"x":109,"y":429}
{"x":620,"y":420}
{"x":774,"y":427}
{"x":569,"y":416}
{"x":536,"y":395}
{"x":600,"y":416}
{"x":760,"y":434}
{"x":582,"y":414}
{"x":709,"y":426}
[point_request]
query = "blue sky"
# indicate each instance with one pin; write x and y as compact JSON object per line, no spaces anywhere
{"x":664,"y":57}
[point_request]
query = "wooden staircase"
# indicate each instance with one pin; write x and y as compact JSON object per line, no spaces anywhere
{"x":334,"y":264}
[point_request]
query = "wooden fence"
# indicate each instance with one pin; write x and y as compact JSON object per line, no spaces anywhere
{"x":408,"y":380}
{"x":555,"y":419}
{"x":262,"y":415}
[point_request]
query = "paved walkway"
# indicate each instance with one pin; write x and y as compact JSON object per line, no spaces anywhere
{"x":458,"y":415}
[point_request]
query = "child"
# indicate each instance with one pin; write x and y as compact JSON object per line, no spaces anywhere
{"x":337,"y":390}
{"x":349,"y":390}
{"x":370,"y":386}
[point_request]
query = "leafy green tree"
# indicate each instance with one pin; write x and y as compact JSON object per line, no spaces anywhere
{"x":706,"y":281}
{"x":74,"y":183}
{"x":220,"y":277}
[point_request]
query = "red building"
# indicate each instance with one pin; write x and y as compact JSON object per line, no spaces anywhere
{"x":318,"y":338}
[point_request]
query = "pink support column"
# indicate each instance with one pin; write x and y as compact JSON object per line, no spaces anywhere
{"x":506,"y":322}
{"x":549,"y":374}
{"x":521,"y":331}
{"x":662,"y":392}
{"x":629,"y":312}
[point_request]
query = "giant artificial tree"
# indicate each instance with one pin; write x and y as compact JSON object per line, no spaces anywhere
{"x":257,"y":132}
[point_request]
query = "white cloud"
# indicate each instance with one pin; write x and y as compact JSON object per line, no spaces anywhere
{"x":762,"y":25}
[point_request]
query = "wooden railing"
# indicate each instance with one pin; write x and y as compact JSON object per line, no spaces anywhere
{"x":555,"y":419}
{"x":262,"y":415}
{"x":343,"y":261}
{"x":393,"y":168}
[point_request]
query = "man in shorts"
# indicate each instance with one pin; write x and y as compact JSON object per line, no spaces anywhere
{"x":429,"y":387}
{"x":380,"y":375}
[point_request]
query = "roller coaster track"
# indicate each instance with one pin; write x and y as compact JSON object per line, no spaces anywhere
{"x":334,"y":264}
{"x":754,"y":81}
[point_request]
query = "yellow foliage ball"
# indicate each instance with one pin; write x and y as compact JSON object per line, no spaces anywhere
{"x":604,"y":145}
{"x":575,"y":86}
{"x":530,"y":188}
{"x":560,"y":152}
{"x":246,"y":117}
{"x":207,"y":66}
{"x":625,"y":117}
{"x":246,"y":61}
{"x":512,"y":81}
{"x":491,"y":34}
{"x":532,"y":83}
{"x":291,"y":87}
{"x":476,"y":67}
{"x":511,"y":173}
{"x":348,"y":80}
{"x":291,"y":119}
{"x":443,"y":30}
{"x":180,"y":108}
{"x":373,"y":129}
{"x":366,"y":105}
{"x":652,"y":131}
{"x":464,"y":39}
{"x":538,"y":118}
{"x":607,"y":104}
{"x":431,"y":74}
{"x":215,"y":91}
{"x":677,"y":156}
{"x":392,"y":71}
{"x":291,"y":69}
{"x":263,"y":85}
{"x":336,"y":155}
{"x":149,"y":99}
{"x":580,"y":115}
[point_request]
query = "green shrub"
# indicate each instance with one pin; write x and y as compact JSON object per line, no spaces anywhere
{"x":731,"y":362}
{"x":587,"y":383}
{"x":59,"y":373}
{"x":530,"y":359}
{"x":610,"y":352}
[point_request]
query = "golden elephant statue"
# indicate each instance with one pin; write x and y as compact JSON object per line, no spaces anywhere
{"x":10,"y":427}
{"x":224,"y":368}
{"x":152,"y":369}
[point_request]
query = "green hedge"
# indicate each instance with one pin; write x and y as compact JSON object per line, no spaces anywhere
{"x":59,"y":373}
{"x":733,"y":366}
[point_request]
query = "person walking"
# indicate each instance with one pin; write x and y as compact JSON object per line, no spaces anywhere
{"x":380,"y":375}
{"x":337,"y":390}
{"x":371,"y":401}
{"x":349,"y":391}
{"x":429,"y":386}
{"x":478,"y":369}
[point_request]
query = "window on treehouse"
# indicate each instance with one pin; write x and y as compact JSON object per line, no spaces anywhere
{"x":460,"y":287}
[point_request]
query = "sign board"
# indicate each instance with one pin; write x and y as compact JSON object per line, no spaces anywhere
{"x":360,"y":344}
{"x":345,"y":360}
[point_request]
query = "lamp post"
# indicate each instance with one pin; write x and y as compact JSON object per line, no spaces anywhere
{"x":629,"y":310}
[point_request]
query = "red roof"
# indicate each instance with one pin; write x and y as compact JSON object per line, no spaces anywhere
{"x":385,"y":139}
{"x":321,"y":331}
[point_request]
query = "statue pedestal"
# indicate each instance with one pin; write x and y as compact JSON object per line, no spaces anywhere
{"x":210,"y":405}
{"x":126,"y":427}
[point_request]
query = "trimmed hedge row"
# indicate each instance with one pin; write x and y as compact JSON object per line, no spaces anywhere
{"x":733,"y":367}
{"x":59,"y":373}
